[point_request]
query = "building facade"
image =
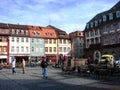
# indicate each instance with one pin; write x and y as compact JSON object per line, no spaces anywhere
{"x":37,"y":44}
{"x":102,"y":34}
{"x":50,"y":38}
{"x":77,"y":39}
{"x":63,"y":42}
{"x":19,"y":42}
{"x":4,"y":43}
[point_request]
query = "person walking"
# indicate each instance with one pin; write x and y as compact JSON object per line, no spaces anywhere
{"x":44,"y":65}
{"x":13,"y":65}
{"x":23,"y":66}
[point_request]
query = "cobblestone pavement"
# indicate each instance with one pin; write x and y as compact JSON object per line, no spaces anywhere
{"x":57,"y":80}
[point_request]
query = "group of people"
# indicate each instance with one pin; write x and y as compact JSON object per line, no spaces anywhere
{"x":43,"y":65}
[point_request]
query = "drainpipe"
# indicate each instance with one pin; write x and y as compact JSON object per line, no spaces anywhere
{"x":8,"y":43}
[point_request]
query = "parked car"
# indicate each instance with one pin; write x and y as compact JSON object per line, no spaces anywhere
{"x":117,"y":61}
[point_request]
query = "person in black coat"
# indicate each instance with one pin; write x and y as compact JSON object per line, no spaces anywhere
{"x":44,"y":65}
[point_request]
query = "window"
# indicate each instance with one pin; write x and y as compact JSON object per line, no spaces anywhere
{"x":50,"y":49}
{"x":46,"y":41}
{"x":27,"y":50}
{"x":46,"y":49}
{"x":12,"y":39}
{"x":87,"y":34}
{"x":22,"y":32}
{"x":38,"y":40}
{"x":54,"y":49}
{"x":17,"y":39}
{"x":27,"y":32}
{"x":118,"y":14}
{"x":110,"y":16}
{"x":112,"y":39}
{"x":64,"y":41}
{"x":91,"y":24}
{"x":17,"y":48}
{"x":50,"y":41}
{"x":0,"y":48}
{"x":51,"y":34}
{"x":96,"y":23}
{"x":17,"y":32}
{"x":92,"y":33}
{"x":118,"y":25}
{"x":60,"y":49}
{"x":87,"y":26}
{"x":0,"y":39}
{"x":13,"y":31}
{"x":104,"y":18}
{"x":47,"y":34}
{"x":119,"y":38}
{"x":22,"y":49}
{"x":68,"y":49}
{"x":92,"y":41}
{"x":26,"y":39}
{"x":105,"y":40}
{"x":54,"y":41}
{"x":38,"y":33}
{"x":34,"y":33}
{"x":4,"y":49}
{"x":22,"y":39}
{"x":100,"y":20}
{"x":32,"y":49}
{"x":111,"y":27}
{"x":12,"y":49}
{"x":96,"y":32}
{"x":60,"y":41}
{"x":64,"y":49}
{"x":5,"y":39}
{"x":32,"y":40}
{"x":104,"y":29}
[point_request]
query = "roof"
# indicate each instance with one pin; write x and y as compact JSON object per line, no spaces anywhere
{"x":18,"y":26}
{"x":60,"y":33}
{"x":3,"y":25}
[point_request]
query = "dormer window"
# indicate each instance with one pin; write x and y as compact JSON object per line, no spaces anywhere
{"x":17,"y":32}
{"x":104,"y":18}
{"x":118,"y":14}
{"x":110,"y":16}
{"x":100,"y":20}
{"x":22,"y":32}
{"x":13,"y":31}
{"x":87,"y":26}
{"x":38,"y":33}
{"x":47,"y":34}
{"x":34,"y":33}
{"x":96,"y":23}
{"x":91,"y":24}
{"x":27,"y":32}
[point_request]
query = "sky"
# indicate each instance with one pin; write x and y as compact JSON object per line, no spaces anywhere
{"x":67,"y":15}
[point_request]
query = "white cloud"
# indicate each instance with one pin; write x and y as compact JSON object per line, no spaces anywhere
{"x":68,"y":15}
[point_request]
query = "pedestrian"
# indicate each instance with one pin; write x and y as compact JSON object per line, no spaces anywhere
{"x":23,"y":66}
{"x":13,"y":65}
{"x":44,"y":65}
